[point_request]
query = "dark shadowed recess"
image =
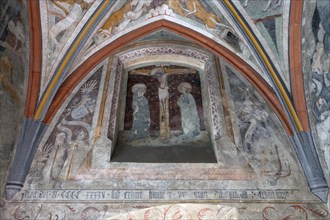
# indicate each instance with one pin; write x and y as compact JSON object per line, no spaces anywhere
{"x":165,"y":154}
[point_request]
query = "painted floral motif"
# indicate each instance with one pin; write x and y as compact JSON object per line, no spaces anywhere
{"x":168,"y":212}
{"x":293,"y":212}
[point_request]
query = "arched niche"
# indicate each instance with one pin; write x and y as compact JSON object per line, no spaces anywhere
{"x":201,"y":67}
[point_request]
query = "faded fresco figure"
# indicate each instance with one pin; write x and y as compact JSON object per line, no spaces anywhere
{"x":76,"y":12}
{"x":61,"y":152}
{"x":141,"y":114}
{"x":119,"y":20}
{"x":260,"y":143}
{"x":271,"y":4}
{"x":189,"y":115}
{"x":194,"y":7}
{"x":138,"y":8}
{"x":255,"y":116}
{"x":320,"y":90}
{"x":7,"y":81}
{"x":75,"y":156}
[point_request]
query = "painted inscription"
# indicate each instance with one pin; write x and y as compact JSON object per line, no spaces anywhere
{"x":166,"y":195}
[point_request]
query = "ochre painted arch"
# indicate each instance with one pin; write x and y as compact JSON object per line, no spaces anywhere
{"x":35,"y":58}
{"x":242,"y":67}
{"x":295,"y":61}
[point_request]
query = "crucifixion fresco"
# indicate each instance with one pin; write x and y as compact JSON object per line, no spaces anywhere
{"x":173,"y":98}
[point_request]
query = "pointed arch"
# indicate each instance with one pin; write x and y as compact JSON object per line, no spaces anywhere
{"x":243,"y":68}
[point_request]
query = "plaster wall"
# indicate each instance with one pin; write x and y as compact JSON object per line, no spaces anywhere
{"x":14,"y":43}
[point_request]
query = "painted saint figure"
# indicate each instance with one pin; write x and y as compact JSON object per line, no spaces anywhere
{"x":61,"y":152}
{"x":75,"y":155}
{"x":189,"y":115}
{"x":141,"y":114}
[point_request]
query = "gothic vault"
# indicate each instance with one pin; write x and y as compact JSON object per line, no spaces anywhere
{"x":164,"y":109}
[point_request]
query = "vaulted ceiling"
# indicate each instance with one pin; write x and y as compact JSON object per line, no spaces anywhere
{"x":75,"y":37}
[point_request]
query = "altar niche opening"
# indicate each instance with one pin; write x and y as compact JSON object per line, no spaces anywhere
{"x":163,"y":118}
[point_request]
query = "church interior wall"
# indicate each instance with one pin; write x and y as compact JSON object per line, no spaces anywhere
{"x":171,"y":124}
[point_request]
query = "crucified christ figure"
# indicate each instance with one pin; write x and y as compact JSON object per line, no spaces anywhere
{"x":162,"y":89}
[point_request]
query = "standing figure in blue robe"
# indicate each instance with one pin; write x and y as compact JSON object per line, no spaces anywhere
{"x":141,"y":114}
{"x":189,"y":115}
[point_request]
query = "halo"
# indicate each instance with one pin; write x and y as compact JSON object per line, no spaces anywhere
{"x":139,"y":86}
{"x":186,"y":85}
